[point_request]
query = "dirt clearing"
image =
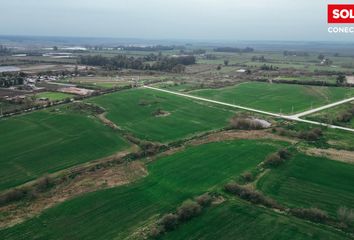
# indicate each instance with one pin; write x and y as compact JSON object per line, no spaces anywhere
{"x":330,"y":153}
{"x":231,"y":135}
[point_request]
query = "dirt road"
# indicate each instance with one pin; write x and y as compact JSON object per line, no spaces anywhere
{"x":323,"y":107}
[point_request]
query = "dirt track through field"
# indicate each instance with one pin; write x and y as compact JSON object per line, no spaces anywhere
{"x":330,"y":153}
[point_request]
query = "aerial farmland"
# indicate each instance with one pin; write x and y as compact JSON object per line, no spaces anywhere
{"x":162,"y":154}
{"x":183,"y":137}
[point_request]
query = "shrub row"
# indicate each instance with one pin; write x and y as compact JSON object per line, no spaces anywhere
{"x":251,"y":195}
{"x":309,"y":83}
{"x":312,"y":214}
{"x":308,"y":135}
{"x":276,"y":159}
{"x":311,"y":135}
{"x":188,"y":210}
{"x":18,"y":194}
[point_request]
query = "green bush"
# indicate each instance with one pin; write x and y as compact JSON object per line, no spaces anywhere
{"x":204,"y":200}
{"x":284,"y":154}
{"x":169,"y":221}
{"x":44,"y":184}
{"x":247,"y":177}
{"x":12,"y":195}
{"x":311,"y":135}
{"x":188,"y":210}
{"x":273,"y":160}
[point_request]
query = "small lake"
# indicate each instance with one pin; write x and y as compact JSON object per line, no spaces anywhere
{"x":9,"y":69}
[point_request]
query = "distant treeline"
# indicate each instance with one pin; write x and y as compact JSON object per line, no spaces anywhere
{"x":148,"y":48}
{"x":160,"y":63}
{"x":234,"y":50}
{"x":305,"y":82}
{"x":4,"y":51}
{"x":11,"y":79}
{"x":294,"y":53}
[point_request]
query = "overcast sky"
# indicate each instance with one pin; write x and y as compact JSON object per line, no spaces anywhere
{"x":169,"y":19}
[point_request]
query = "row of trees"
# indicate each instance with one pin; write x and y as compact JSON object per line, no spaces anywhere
{"x":265,"y":67}
{"x":234,"y":50}
{"x":11,"y":79}
{"x":295,"y":53}
{"x":258,"y":59}
{"x":184,"y":213}
{"x":161,"y":63}
{"x":147,"y":48}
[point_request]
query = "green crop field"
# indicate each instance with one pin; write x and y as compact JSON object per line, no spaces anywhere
{"x":277,"y":97}
{"x":44,"y":142}
{"x":120,"y":212}
{"x":54,"y":96}
{"x":134,"y":111}
{"x":238,"y":220}
{"x":306,"y":181}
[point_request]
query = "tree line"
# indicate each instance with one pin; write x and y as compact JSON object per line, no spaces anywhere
{"x":147,"y":48}
{"x":160,"y":63}
{"x":234,"y":50}
{"x":11,"y":79}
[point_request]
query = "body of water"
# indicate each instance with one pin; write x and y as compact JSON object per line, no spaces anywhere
{"x":9,"y":69}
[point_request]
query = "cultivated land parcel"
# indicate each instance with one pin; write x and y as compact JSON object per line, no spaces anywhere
{"x":47,"y":141}
{"x":277,"y":98}
{"x":134,"y":111}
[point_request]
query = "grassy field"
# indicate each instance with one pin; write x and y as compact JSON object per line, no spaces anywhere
{"x":103,"y":82}
{"x":306,"y":181}
{"x":134,"y":110}
{"x":238,"y":220}
{"x":53,"y":96}
{"x":44,"y":142}
{"x":277,"y":97}
{"x":120,"y":212}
